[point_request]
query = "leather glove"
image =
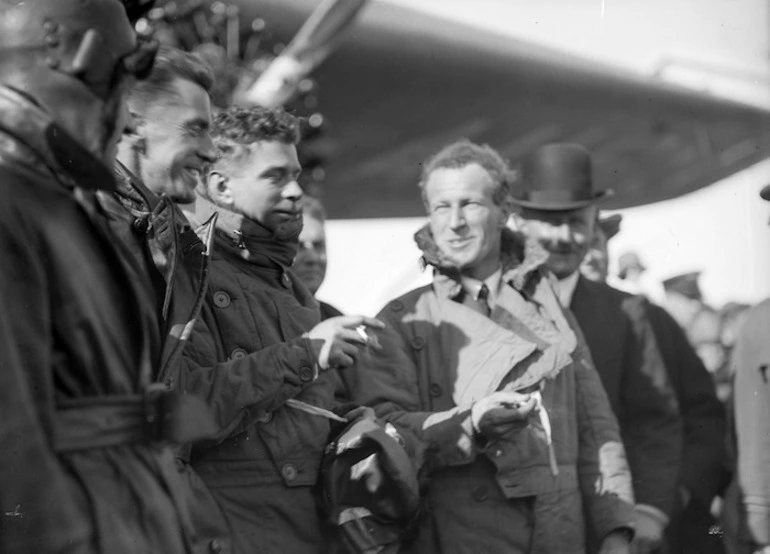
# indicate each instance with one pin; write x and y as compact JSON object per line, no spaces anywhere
{"x":502,"y":411}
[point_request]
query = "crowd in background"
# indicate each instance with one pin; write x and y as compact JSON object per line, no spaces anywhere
{"x":169,"y":383}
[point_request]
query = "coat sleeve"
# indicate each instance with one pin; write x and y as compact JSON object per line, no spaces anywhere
{"x":603,"y":472}
{"x":752,"y":414}
{"x":39,"y":510}
{"x":651,"y":424}
{"x":387,"y":380}
{"x":704,"y":456}
{"x":245,"y":386}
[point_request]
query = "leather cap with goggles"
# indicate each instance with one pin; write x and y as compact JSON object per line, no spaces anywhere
{"x":92,"y":40}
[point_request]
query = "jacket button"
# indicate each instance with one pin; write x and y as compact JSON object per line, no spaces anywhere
{"x":480,"y":493}
{"x":418,"y":343}
{"x":289,"y":472}
{"x":305,"y":373}
{"x":221,"y":299}
{"x":238,"y":353}
{"x":266,"y":417}
{"x":396,"y":306}
{"x":215,"y":546}
{"x":435,"y":390}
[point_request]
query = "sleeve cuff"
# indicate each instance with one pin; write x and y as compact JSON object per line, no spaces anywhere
{"x":655,"y":513}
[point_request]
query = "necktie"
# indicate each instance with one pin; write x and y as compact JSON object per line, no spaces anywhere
{"x":479,"y":304}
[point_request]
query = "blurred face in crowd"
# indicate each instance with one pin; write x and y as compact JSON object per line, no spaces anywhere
{"x":464,"y":218}
{"x":260,"y":183}
{"x":705,"y":333}
{"x":565,"y":235}
{"x":310,"y":262}
{"x":177,"y":146}
{"x":595,"y":265}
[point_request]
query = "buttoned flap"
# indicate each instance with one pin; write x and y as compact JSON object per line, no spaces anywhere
{"x":276,"y":311}
{"x":484,"y":352}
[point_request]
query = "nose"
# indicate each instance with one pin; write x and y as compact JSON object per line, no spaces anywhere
{"x":207,"y":152}
{"x":456,"y":218}
{"x":292,"y":191}
{"x":561,"y":233}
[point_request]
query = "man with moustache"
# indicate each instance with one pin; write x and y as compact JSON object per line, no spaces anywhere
{"x":160,"y":162}
{"x":556,"y":205}
{"x":83,"y":461}
{"x":260,"y":354}
{"x":487,"y":369}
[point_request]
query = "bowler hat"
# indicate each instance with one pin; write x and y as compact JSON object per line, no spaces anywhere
{"x":557,"y":177}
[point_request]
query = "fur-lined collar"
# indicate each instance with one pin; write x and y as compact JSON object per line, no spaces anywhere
{"x":520,"y":256}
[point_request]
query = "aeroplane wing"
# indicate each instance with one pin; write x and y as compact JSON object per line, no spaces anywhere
{"x":404,"y":83}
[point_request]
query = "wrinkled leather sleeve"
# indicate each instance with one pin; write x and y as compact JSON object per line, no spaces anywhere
{"x":240,"y":390}
{"x":38,"y":509}
{"x":751,"y":360}
{"x":387,"y":380}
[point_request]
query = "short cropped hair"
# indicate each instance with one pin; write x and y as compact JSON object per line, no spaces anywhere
{"x":234,"y":129}
{"x":312,"y":208}
{"x":170,"y":64}
{"x":464,"y":152}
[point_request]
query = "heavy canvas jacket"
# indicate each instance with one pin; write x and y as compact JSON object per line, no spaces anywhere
{"x":247,"y":356}
{"x":439,"y":356}
{"x":78,"y":339}
{"x":175,"y":257}
{"x":624,"y":349}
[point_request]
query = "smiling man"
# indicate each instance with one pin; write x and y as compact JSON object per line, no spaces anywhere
{"x":260,"y":342}
{"x":486,"y":368}
{"x":556,"y":206}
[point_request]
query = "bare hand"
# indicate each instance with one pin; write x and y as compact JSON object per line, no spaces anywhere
{"x":649,"y":533}
{"x":615,"y":543}
{"x":338,"y":340}
{"x":497,"y":413}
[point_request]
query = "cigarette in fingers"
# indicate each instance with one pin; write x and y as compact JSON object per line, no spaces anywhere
{"x":361,"y":330}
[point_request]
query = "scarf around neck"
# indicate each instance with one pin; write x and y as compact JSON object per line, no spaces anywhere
{"x":249,"y":239}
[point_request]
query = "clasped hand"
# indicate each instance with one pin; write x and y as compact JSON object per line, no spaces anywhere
{"x":498,"y":413}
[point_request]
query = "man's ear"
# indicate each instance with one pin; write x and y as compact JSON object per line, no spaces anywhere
{"x":218,"y":188}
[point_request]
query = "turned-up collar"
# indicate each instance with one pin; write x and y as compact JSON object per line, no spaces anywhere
{"x":248,"y":239}
{"x":521,"y":259}
{"x":39,"y":138}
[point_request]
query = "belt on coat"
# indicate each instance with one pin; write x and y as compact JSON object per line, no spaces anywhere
{"x":158,"y":415}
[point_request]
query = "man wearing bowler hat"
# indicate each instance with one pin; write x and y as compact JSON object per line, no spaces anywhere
{"x":556,"y":205}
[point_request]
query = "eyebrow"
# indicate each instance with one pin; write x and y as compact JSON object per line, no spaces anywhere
{"x":198,"y":121}
{"x":282,"y":170}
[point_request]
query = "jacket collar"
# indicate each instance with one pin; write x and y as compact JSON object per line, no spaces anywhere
{"x":31,"y":135}
{"x":248,"y":239}
{"x":521,"y":258}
